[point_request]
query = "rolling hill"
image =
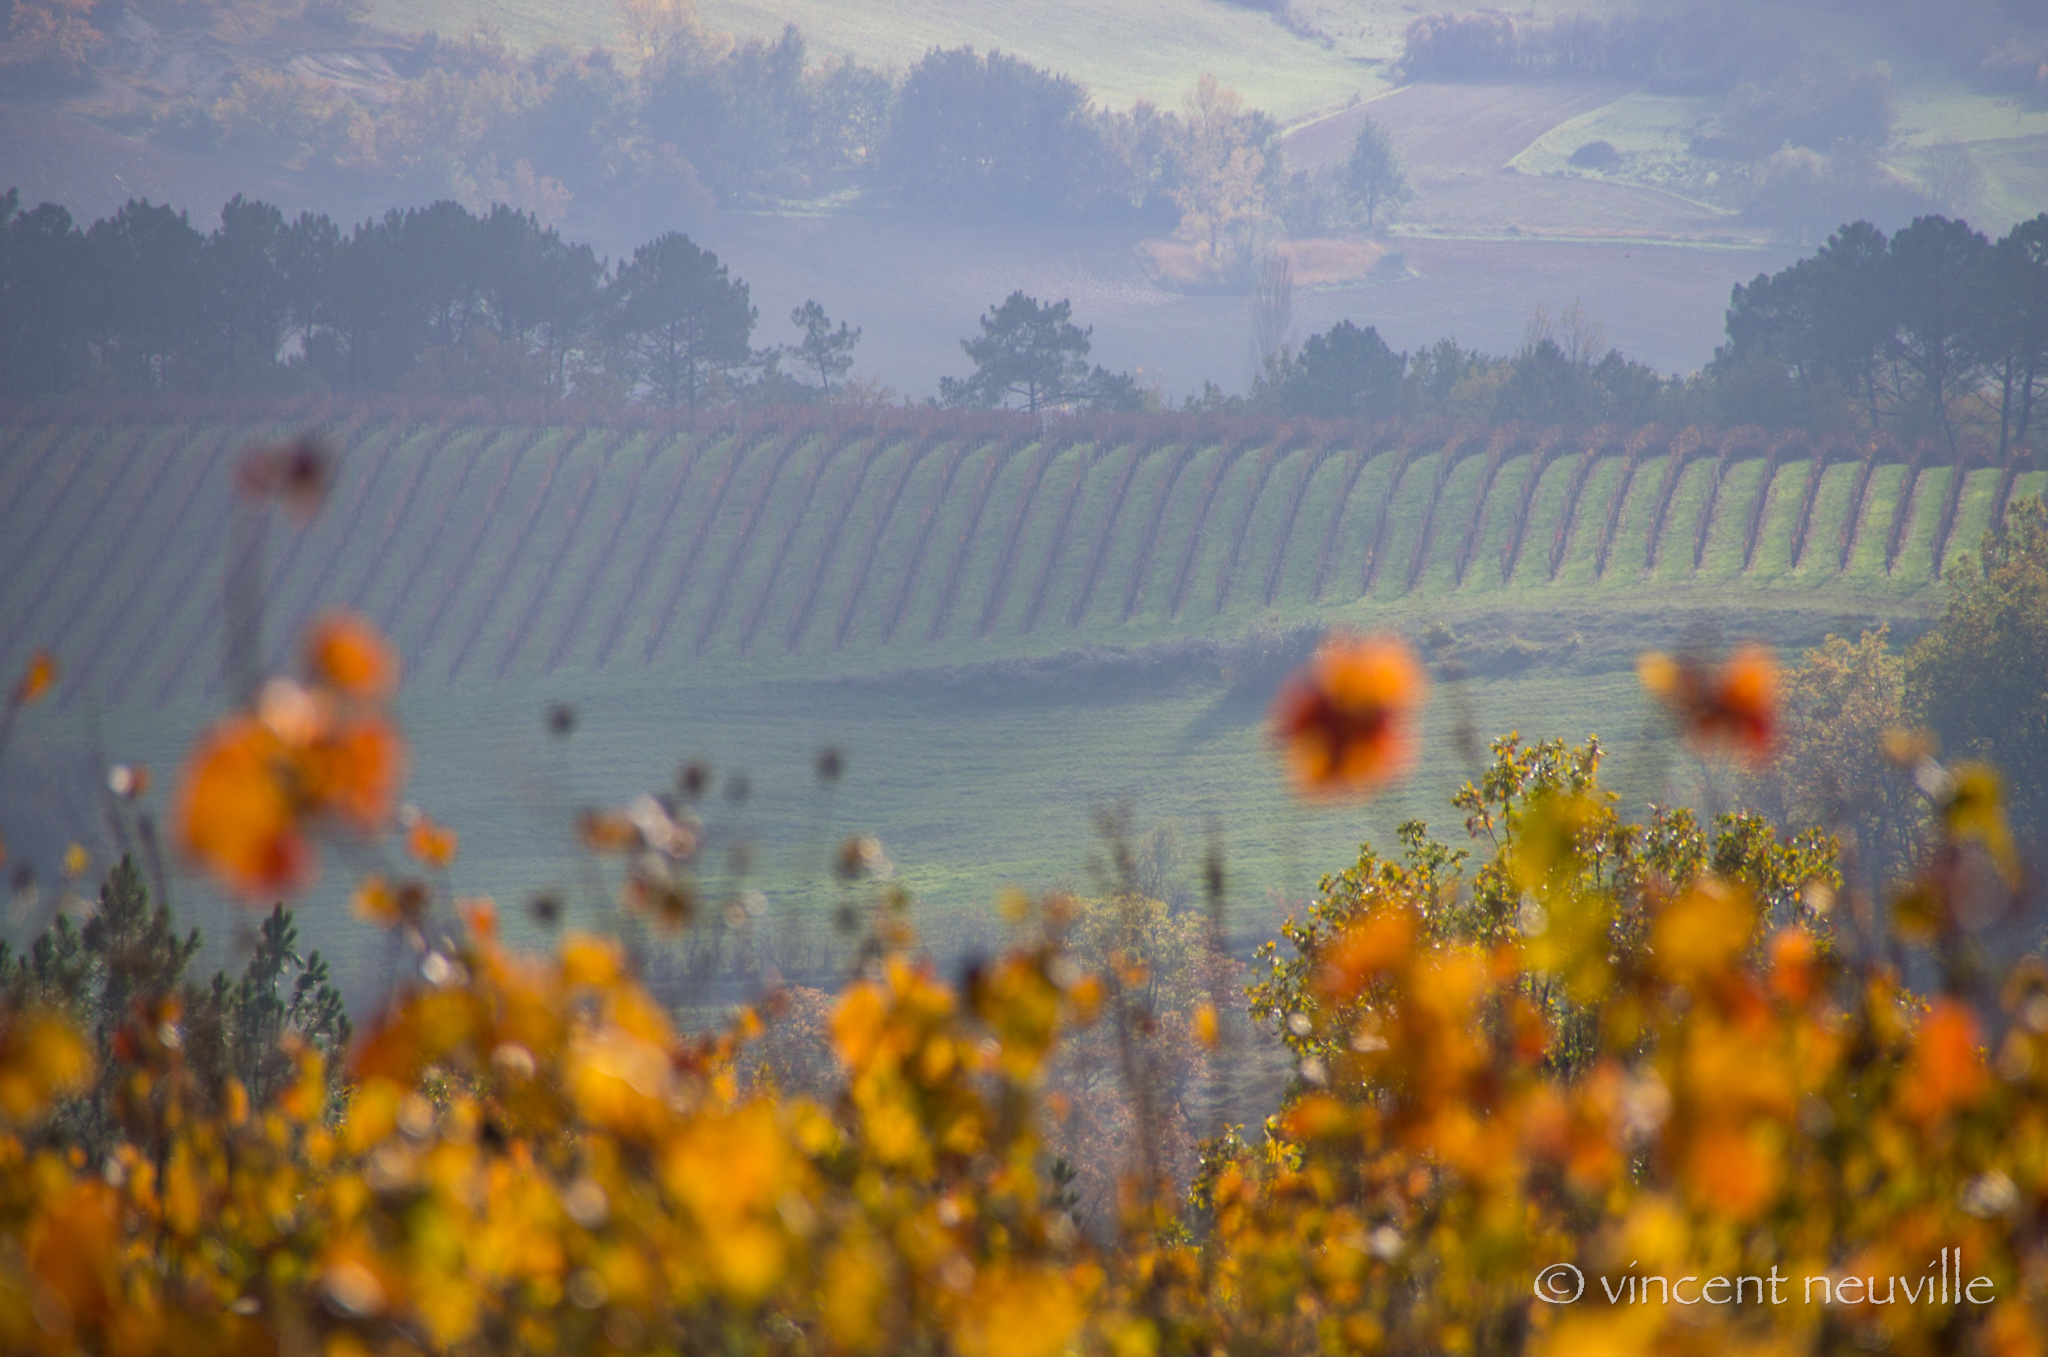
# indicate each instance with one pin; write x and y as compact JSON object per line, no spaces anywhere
{"x":1005,"y":625}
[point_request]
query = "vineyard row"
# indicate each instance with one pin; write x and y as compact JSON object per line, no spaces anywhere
{"x":491,"y":552}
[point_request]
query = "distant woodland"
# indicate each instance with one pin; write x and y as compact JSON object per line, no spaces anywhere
{"x":1932,"y":332}
{"x":693,"y":118}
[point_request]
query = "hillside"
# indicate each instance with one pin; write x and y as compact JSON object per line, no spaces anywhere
{"x":1005,"y":629}
{"x":844,"y":547}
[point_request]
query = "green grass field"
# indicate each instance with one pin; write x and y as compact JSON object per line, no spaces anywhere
{"x":1139,"y":49}
{"x":1005,"y":630}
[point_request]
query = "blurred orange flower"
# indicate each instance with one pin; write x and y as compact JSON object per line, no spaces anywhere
{"x":431,"y":843}
{"x":345,"y":652}
{"x":1347,"y":718}
{"x":354,"y":771}
{"x":1734,"y":705}
{"x":36,"y":678}
{"x":261,"y":779}
{"x":1947,"y":1070}
{"x":236,"y":811}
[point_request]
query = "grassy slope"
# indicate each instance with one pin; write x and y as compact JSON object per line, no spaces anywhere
{"x":507,"y":565}
{"x":1137,"y":49}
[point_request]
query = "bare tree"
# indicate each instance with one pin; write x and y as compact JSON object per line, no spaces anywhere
{"x":1272,"y":308}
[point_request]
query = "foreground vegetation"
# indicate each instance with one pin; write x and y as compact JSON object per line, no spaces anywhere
{"x":1568,"y":1045}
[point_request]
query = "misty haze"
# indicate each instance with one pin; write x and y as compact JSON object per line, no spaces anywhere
{"x":793,"y":483}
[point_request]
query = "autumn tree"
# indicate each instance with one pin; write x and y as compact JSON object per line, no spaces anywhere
{"x":1838,"y":707}
{"x":1977,"y":677}
{"x":1228,"y":158}
{"x":55,"y":34}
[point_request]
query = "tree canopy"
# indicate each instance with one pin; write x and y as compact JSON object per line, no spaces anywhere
{"x":1980,"y":677}
{"x":682,"y":318}
{"x":1373,"y":174}
{"x":1032,"y":350}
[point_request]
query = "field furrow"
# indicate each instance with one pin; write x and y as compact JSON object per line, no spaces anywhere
{"x":1974,"y":507}
{"x":870,"y":554}
{"x":596,"y":465}
{"x":1634,"y":524}
{"x":398,"y":513}
{"x":926,"y":523}
{"x":1489,"y":551}
{"x":1134,"y":587}
{"x":1688,"y":445}
{"x":1454,"y":452}
{"x":1326,"y":555}
{"x":1006,"y":563}
{"x":89,"y":477}
{"x":736,"y":557}
{"x":999,"y":460}
{"x":815,"y":589}
{"x":86,"y":572}
{"x":454,"y":572}
{"x":1852,"y":518}
{"x":1240,"y":530}
{"x":776,"y":564}
{"x":1601,"y":487}
{"x":1377,"y":548}
{"x":1610,"y":522}
{"x":686,"y":571}
{"x":691,"y":455}
{"x":1503,"y":442}
{"x":1916,"y":550}
{"x":255,"y":580}
{"x":1830,"y":505}
{"x":1944,"y":526}
{"x":1545,"y":451}
{"x":148,"y":551}
{"x":1772,"y":560}
{"x":515,"y":560}
{"x":1710,"y":502}
{"x":1568,"y":511}
{"x":565,"y":628}
{"x":304,"y":569}
{"x":1185,"y":576}
{"x":1085,"y":463}
{"x":1102,"y":539}
{"x":1318,"y":454}
{"x":406,"y":579}
{"x":1904,"y":511}
{"x":1868,"y":557}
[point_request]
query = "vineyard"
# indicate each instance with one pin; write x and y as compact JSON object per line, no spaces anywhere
{"x":1005,"y":626}
{"x":493,"y":552}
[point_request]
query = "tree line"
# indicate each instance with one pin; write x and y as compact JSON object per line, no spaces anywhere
{"x":431,"y":300}
{"x":1920,"y":333}
{"x":1936,"y":332}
